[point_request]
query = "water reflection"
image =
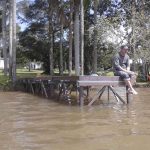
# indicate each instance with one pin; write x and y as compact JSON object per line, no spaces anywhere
{"x":31,"y":123}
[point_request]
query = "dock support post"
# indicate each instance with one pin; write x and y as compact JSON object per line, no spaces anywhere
{"x":108,"y":94}
{"x":81,"y":94}
{"x":44,"y":89}
{"x":127,"y":94}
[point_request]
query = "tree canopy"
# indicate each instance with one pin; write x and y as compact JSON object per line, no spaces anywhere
{"x":54,"y":31}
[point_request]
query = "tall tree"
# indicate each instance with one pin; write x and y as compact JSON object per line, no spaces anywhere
{"x":82,"y":35}
{"x":10,"y":41}
{"x":133,"y":31}
{"x":95,"y":38}
{"x":4,"y":37}
{"x":76,"y":37}
{"x":51,"y":39}
{"x":14,"y":40}
{"x":136,"y":18}
{"x":61,"y":39}
{"x":70,"y":36}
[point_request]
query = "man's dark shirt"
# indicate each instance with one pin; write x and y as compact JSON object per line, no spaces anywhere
{"x":120,"y":61}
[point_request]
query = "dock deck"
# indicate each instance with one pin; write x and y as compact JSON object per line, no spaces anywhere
{"x":62,"y":87}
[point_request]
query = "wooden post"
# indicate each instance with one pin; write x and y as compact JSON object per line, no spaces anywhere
{"x":44,"y":89}
{"x":88,"y":91}
{"x":32,"y":89}
{"x":117,"y":95}
{"x":127,"y":94}
{"x":108,"y":94}
{"x":81,"y":94}
{"x":98,"y":95}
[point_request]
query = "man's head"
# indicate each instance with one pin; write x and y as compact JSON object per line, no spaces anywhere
{"x":123,"y":50}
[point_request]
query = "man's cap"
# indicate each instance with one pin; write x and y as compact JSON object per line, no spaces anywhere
{"x":124,"y":47}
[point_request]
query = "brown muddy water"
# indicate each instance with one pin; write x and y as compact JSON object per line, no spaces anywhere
{"x":28,"y":122}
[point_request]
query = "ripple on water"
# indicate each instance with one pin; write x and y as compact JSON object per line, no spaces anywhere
{"x":29,"y":122}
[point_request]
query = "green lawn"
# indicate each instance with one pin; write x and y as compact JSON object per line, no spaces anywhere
{"x":5,"y":81}
{"x":27,"y":73}
{"x":34,"y":73}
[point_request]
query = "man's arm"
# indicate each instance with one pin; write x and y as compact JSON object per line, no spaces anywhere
{"x":127,"y":70}
{"x":117,"y":65}
{"x":128,"y":64}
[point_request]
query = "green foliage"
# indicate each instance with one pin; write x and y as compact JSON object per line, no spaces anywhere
{"x":5,"y":83}
{"x":43,"y":18}
{"x":106,"y":73}
{"x":4,"y":80}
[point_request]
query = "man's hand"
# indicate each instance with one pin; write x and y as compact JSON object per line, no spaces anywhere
{"x":132,"y":73}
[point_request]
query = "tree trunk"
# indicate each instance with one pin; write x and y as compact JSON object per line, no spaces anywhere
{"x":82,"y":36}
{"x":29,"y":65}
{"x":51,"y":63}
{"x":133,"y":31}
{"x":70,"y":37}
{"x":10,"y":39}
{"x":61,"y":66}
{"x":14,"y":40}
{"x":61,"y":50}
{"x":4,"y":36}
{"x":76,"y":40}
{"x":51,"y":52}
{"x":95,"y":38}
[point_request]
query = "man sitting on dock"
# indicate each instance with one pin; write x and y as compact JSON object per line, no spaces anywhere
{"x":121,"y":67}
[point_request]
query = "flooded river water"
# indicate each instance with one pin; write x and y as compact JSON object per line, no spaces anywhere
{"x":28,"y":122}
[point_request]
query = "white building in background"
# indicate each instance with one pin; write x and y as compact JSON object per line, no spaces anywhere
{"x":1,"y":63}
{"x":36,"y":65}
{"x":33,"y":65}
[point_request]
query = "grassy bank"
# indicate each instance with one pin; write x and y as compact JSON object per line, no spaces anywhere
{"x":6,"y":84}
{"x":26,"y":73}
{"x":5,"y":81}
